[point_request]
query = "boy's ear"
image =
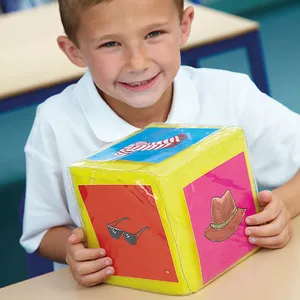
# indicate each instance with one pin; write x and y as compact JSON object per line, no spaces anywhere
{"x":186,"y":23}
{"x":71,"y":51}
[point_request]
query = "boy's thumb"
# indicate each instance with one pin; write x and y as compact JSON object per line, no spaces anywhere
{"x":265,"y":197}
{"x":77,"y":236}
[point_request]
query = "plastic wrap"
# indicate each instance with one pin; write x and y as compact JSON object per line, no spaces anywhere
{"x":168,"y":204}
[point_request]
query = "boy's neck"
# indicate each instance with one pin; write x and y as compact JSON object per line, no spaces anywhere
{"x":141,"y":117}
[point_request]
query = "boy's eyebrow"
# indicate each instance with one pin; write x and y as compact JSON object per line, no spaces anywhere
{"x":113,"y":36}
{"x":104,"y":37}
{"x":154,"y":25}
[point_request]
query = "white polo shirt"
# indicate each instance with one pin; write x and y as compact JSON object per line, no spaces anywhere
{"x":74,"y":124}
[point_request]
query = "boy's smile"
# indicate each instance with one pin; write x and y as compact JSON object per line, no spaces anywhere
{"x":132,"y":49}
{"x":140,"y":86}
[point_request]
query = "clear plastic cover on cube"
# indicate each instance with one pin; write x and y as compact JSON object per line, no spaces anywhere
{"x":168,"y":204}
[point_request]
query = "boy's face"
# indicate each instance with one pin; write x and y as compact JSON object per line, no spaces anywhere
{"x":132,"y":48}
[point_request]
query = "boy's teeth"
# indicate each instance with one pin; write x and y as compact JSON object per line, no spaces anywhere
{"x":138,"y":83}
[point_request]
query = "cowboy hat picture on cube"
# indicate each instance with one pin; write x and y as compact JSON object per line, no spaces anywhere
{"x":226,"y":217}
{"x":168,"y":204}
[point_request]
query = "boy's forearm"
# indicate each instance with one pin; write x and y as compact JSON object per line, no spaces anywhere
{"x":53,"y":245}
{"x":289,"y":193}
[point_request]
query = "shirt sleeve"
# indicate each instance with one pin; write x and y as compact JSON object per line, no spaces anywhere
{"x":45,"y":201}
{"x":273,"y":135}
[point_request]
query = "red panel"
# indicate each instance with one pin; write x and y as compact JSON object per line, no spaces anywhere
{"x":150,"y":258}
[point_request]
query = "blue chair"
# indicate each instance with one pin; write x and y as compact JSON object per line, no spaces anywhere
{"x":16,"y":5}
{"x":36,"y":265}
{"x":250,"y":40}
{"x":9,"y":5}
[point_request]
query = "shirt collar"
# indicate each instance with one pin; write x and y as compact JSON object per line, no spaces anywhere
{"x":109,"y":127}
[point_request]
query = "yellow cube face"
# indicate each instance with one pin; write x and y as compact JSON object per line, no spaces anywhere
{"x":168,"y":204}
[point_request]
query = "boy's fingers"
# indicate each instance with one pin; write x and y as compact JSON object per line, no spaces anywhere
{"x":272,"y":229}
{"x":270,"y":212}
{"x":89,"y":267}
{"x":80,"y":253}
{"x":77,"y":236}
{"x":273,"y":242}
{"x":97,"y":277}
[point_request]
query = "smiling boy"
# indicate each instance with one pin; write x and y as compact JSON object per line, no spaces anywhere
{"x":131,"y":49}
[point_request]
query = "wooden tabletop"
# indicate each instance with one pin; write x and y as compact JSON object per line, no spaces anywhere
{"x":267,"y":275}
{"x":30,"y":58}
{"x":210,"y":26}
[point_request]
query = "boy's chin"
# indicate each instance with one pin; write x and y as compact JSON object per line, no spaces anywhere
{"x":141,"y":104}
{"x":137,"y":102}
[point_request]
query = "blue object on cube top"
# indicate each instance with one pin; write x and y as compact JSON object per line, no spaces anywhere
{"x":154,"y":144}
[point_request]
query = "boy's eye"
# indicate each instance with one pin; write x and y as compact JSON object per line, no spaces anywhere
{"x":153,"y":34}
{"x":109,"y":45}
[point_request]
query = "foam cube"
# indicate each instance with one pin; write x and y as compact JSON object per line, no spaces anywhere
{"x":168,"y":204}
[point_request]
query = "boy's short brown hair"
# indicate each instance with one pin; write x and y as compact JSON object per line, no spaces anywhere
{"x":70,"y":13}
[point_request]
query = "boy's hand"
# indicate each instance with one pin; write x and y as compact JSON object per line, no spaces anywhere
{"x":270,"y":228}
{"x":88,"y":266}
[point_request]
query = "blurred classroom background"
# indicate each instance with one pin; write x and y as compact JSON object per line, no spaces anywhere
{"x":280,"y":25}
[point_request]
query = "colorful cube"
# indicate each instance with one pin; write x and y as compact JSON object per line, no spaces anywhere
{"x":168,"y":204}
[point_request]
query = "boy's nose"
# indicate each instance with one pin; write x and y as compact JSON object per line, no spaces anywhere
{"x":138,"y":60}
